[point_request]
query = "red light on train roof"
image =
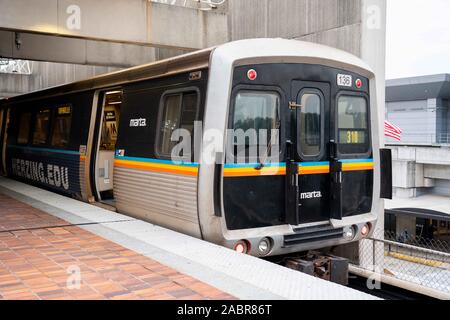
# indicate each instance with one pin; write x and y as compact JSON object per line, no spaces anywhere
{"x":359,"y":83}
{"x":252,"y":74}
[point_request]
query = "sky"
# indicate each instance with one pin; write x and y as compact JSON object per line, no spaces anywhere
{"x":418,"y":38}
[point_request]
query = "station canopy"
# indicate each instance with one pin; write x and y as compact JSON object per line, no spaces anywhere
{"x":426,"y":206}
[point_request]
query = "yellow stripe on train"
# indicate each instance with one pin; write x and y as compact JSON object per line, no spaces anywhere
{"x":240,"y":171}
{"x":253,"y":172}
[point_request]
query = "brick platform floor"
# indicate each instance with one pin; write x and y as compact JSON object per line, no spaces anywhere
{"x":38,"y":253}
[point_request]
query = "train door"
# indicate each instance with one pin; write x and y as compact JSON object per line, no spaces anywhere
{"x":4,"y":123}
{"x":108,"y":133}
{"x":308,"y":156}
{"x":2,"y":129}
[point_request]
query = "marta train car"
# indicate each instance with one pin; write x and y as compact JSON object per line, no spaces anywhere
{"x":266,"y":146}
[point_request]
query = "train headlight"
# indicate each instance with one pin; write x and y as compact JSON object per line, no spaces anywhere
{"x":264,"y":246}
{"x":365,"y":230}
{"x":349,"y":233}
{"x":242,"y":246}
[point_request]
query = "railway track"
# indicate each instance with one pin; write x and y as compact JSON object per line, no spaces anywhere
{"x":386,"y":292}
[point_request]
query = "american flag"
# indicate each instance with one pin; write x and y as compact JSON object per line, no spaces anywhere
{"x":392,"y":131}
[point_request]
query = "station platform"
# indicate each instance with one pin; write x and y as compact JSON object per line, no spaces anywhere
{"x":39,"y":252}
{"x":47,"y":241}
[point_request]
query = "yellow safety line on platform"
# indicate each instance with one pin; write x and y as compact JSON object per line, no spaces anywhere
{"x":426,"y":262}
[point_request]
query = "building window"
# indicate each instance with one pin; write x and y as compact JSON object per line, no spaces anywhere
{"x":41,"y":127}
{"x":61,"y":128}
{"x":180,"y":111}
{"x":24,"y":128}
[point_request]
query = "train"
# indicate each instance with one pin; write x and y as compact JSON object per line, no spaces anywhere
{"x":265,"y":146}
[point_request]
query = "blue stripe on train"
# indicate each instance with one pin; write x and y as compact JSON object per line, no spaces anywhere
{"x":303,"y":164}
{"x":44,"y":149}
{"x":159,"y":161}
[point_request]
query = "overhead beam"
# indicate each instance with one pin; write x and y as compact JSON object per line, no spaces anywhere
{"x":79,"y":51}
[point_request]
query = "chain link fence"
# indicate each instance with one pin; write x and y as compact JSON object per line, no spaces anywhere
{"x":433,"y":244}
{"x":417,"y":260}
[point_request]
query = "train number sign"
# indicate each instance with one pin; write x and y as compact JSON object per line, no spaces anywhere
{"x":344,"y":80}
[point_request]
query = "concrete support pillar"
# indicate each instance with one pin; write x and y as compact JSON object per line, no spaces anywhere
{"x":373,"y":51}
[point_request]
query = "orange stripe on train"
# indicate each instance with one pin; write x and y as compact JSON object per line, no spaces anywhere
{"x":174,"y":169}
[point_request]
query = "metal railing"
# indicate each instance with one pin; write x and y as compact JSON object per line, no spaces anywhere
{"x":443,"y":138}
{"x":416,"y":260}
{"x":16,"y":66}
{"x":421,"y":138}
{"x":417,"y":241}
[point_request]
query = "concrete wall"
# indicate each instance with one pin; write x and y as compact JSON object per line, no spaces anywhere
{"x":333,"y":22}
{"x":123,"y":20}
{"x":179,"y":26}
{"x":420,"y":170}
{"x":422,"y":121}
{"x":338,"y":23}
{"x":442,"y":187}
{"x":15,"y":84}
{"x":120,"y":33}
{"x":417,"y":119}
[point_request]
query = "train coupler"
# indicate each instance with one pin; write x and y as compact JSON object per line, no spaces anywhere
{"x":321,"y":265}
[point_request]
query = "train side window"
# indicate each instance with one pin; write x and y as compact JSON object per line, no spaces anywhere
{"x":189,"y":114}
{"x":353,"y":124}
{"x":24,"y":128}
{"x":170,"y":122}
{"x":41,"y":127}
{"x":310,"y":125}
{"x":180,"y":111}
{"x":61,"y":127}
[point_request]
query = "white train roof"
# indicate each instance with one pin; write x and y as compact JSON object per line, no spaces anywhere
{"x":283,"y":50}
